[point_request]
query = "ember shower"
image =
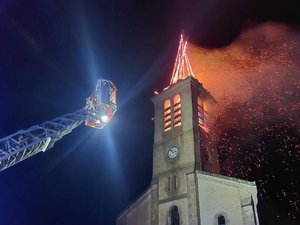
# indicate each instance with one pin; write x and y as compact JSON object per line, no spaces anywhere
{"x":256,"y":82}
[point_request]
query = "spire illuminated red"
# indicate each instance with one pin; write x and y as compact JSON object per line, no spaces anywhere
{"x":182,"y":67}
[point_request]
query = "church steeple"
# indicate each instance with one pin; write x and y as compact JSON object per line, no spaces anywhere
{"x":182,"y":67}
{"x":183,"y":114}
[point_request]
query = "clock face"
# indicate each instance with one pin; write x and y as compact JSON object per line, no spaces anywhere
{"x":173,"y":152}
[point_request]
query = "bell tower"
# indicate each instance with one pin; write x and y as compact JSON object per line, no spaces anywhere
{"x":182,"y":114}
{"x":186,"y":188}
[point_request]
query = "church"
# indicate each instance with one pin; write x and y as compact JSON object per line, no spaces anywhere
{"x":186,"y":188}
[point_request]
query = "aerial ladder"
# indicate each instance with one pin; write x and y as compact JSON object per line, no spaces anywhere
{"x":99,"y":109}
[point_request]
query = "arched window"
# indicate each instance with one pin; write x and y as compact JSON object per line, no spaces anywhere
{"x":167,"y":115}
{"x":174,"y":215}
{"x":177,"y":111}
{"x":221,"y":220}
{"x":172,"y":113}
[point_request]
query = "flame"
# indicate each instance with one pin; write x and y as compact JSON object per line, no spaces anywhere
{"x":182,"y":67}
{"x":256,"y":82}
{"x":258,"y":56}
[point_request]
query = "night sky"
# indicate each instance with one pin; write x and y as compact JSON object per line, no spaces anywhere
{"x":51,"y":54}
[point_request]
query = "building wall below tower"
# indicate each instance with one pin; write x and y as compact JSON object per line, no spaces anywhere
{"x":235,"y":199}
{"x":139,"y":212}
{"x":207,"y":197}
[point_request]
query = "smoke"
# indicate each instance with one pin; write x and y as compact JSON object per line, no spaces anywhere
{"x":256,"y":81}
{"x":264,"y":55}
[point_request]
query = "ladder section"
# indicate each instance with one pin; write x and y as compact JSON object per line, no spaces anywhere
{"x":39,"y":138}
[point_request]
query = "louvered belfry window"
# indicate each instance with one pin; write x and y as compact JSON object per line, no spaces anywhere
{"x":200,"y":112}
{"x":167,"y":115}
{"x":177,"y":111}
{"x":172,"y":113}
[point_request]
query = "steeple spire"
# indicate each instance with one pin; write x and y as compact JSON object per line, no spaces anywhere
{"x":182,"y":67}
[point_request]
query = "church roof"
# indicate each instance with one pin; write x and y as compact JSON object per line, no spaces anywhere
{"x":226,"y":178}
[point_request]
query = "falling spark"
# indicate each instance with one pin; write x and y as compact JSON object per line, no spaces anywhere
{"x":256,"y":81}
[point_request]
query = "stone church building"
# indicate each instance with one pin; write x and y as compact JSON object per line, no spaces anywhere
{"x":186,"y":188}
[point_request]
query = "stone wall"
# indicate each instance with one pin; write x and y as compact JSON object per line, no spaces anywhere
{"x":230,"y":197}
{"x":139,"y":213}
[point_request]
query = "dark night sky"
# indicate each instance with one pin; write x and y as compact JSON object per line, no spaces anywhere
{"x":51,"y":53}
